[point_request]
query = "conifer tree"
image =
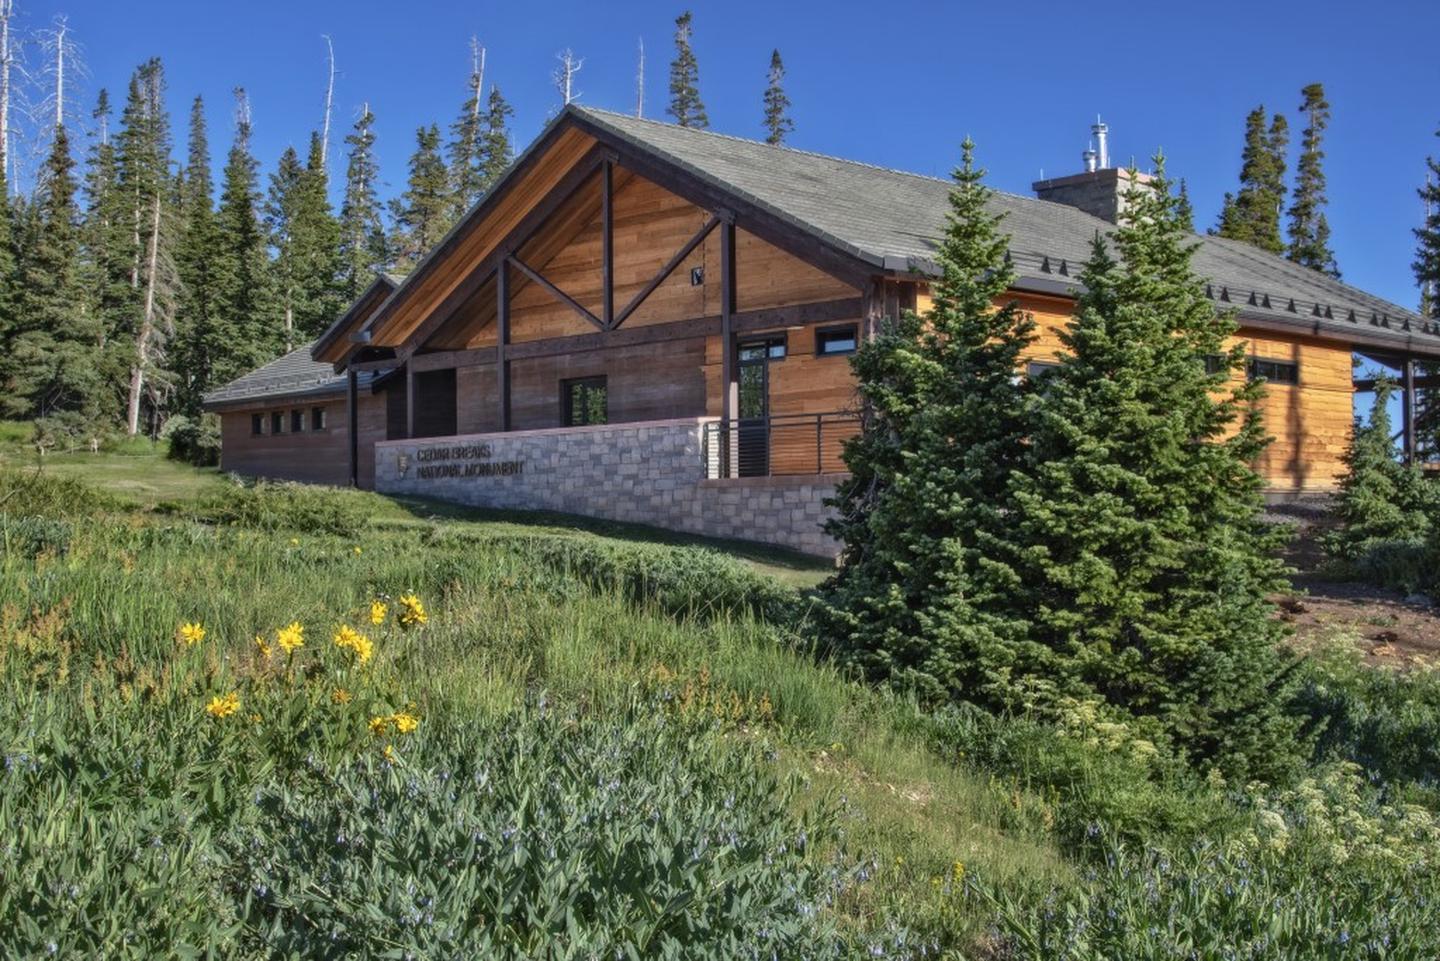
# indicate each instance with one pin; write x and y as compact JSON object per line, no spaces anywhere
{"x":1381,"y":500}
{"x":778,"y":124}
{"x":197,"y":324}
{"x":919,"y":593}
{"x":362,"y":234}
{"x":1143,"y":563}
{"x":305,"y":239}
{"x":1309,"y":230}
{"x":147,"y":191}
{"x":685,"y":104}
{"x":496,"y":149}
{"x":420,"y":212}
{"x":106,"y":239}
{"x":466,"y":149}
{"x":54,"y":373}
{"x":246,"y":319}
{"x":8,"y":279}
{"x":1427,"y":241}
{"x":1253,"y":214}
{"x":280,"y":217}
{"x":1184,"y":212}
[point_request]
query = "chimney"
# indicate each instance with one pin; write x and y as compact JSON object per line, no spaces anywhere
{"x":1100,"y":189}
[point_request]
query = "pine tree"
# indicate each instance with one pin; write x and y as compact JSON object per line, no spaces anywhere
{"x":1427,"y":241}
{"x":420,"y":213}
{"x":1253,"y":214}
{"x":147,"y":191}
{"x":1309,"y":230}
{"x":305,"y":238}
{"x":8,"y":279}
{"x":466,"y":149}
{"x":685,"y":104}
{"x":917,"y":594}
{"x":106,"y":238}
{"x":496,"y":149}
{"x":280,"y":216}
{"x":362,"y":234}
{"x":247,"y":322}
{"x":1382,"y":502}
{"x":197,"y":322}
{"x":53,"y":364}
{"x":1184,"y":212}
{"x":777,"y":106}
{"x":1143,"y":562}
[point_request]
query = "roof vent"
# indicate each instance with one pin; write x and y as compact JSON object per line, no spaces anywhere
{"x":1265,"y":301}
{"x":1098,"y":189}
{"x":1102,"y":139}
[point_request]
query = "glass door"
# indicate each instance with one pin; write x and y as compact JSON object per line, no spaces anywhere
{"x":753,"y":417}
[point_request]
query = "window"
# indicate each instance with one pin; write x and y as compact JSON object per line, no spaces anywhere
{"x":317,"y":418}
{"x":277,"y":422}
{"x":771,"y":348}
{"x":257,"y":424}
{"x":836,"y":340}
{"x":584,"y":401}
{"x":1274,"y":371}
{"x":297,"y":421}
{"x":1039,"y":368}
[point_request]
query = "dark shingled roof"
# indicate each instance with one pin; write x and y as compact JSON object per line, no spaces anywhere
{"x":292,"y":375}
{"x":892,"y":219}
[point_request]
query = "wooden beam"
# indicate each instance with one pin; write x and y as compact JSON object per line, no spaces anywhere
{"x":1409,"y":410}
{"x":696,"y":240}
{"x":352,"y":409}
{"x":502,"y":343}
{"x":745,"y":322}
{"x":607,"y":244}
{"x":409,"y":401}
{"x":523,"y":231}
{"x":554,"y":291}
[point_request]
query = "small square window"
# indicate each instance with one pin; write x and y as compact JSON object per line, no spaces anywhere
{"x":584,"y":401}
{"x":277,"y":422}
{"x":836,"y":340}
{"x":297,"y":421}
{"x":257,"y":424}
{"x":1039,"y":368}
{"x":317,"y":418}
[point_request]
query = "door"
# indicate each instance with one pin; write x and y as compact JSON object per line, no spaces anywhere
{"x":753,"y":417}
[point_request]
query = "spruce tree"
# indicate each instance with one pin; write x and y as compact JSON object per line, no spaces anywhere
{"x":107,"y":240}
{"x":918,"y":594}
{"x":1427,"y":241}
{"x":1309,"y":230}
{"x":466,"y":150}
{"x":778,"y":124}
{"x":1184,"y":212}
{"x":280,"y":216}
{"x":497,"y":151}
{"x":1144,"y":565}
{"x":1253,"y":214}
{"x":362,"y":233}
{"x":247,"y":323}
{"x":420,"y":212}
{"x":304,"y":237}
{"x":1382,"y":502}
{"x":197,"y":324}
{"x":685,"y":104}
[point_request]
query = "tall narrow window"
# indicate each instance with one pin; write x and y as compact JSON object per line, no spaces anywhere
{"x":297,"y":421}
{"x":257,"y":424}
{"x":584,"y":401}
{"x":277,"y":422}
{"x":317,"y":418}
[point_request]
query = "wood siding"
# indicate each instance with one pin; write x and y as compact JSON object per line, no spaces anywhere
{"x":315,"y":457}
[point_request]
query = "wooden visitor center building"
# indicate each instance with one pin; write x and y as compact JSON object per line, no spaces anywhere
{"x":649,"y":323}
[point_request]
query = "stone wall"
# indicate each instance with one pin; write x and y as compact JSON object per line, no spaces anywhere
{"x":645,"y":473}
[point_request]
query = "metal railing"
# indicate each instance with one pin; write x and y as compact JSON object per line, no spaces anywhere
{"x":777,"y":446}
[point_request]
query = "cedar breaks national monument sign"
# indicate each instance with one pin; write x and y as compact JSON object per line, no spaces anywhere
{"x":650,"y":323}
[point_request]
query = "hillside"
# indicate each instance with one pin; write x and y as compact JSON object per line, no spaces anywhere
{"x":557,"y":740}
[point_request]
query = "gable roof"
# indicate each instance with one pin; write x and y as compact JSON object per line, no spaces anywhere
{"x":893,"y":220}
{"x":290,"y":376}
{"x":330,"y":345}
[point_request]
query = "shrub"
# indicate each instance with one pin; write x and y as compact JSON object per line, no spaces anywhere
{"x":302,"y":508}
{"x":194,"y":441}
{"x":38,"y":494}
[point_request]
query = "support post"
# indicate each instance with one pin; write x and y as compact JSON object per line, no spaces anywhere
{"x":607,"y":244}
{"x":1409,"y":410}
{"x":502,"y":342}
{"x":730,"y":385}
{"x":409,"y":400}
{"x":352,"y":409}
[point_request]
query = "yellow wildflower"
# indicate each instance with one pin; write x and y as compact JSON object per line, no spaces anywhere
{"x":404,"y":721}
{"x":357,"y":550}
{"x":191,"y":633}
{"x":957,"y":872}
{"x":340,"y":696}
{"x":223,"y":706}
{"x":291,"y":637}
{"x":265,"y":649}
{"x":378,"y":610}
{"x":389,"y":754}
{"x":254,"y":718}
{"x":412,"y":612}
{"x":294,"y":542}
{"x":347,"y":637}
{"x":363,"y":649}
{"x":379,"y":726}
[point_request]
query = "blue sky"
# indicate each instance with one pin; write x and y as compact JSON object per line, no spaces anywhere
{"x":894,"y":85}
